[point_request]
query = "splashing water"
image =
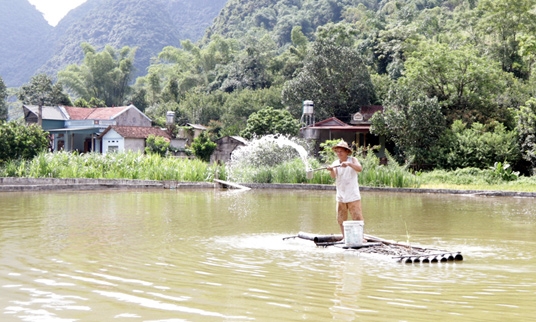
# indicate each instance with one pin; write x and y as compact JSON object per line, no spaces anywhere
{"x":268,"y":151}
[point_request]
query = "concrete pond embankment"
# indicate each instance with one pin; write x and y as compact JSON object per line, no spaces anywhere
{"x":10,"y":184}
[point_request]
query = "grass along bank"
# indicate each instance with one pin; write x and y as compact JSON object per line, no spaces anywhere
{"x":498,"y":178}
{"x":127,"y":165}
{"x":131,"y":165}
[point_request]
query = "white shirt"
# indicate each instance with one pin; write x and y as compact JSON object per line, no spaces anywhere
{"x":346,"y":182}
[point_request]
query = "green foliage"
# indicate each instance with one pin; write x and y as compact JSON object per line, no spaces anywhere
{"x":239,"y":105}
{"x":504,"y":172}
{"x":382,"y":84}
{"x":103,"y":75}
{"x":154,"y":167}
{"x":375,"y":174}
{"x":93,"y":102}
{"x":148,"y":25}
{"x":289,"y":171}
{"x":466,"y":85}
{"x":526,"y":130}
{"x":41,"y":91}
{"x":250,"y":69}
{"x":157,"y":113}
{"x":458,"y":176}
{"x":498,"y":174}
{"x":20,"y":141}
{"x":157,"y":145}
{"x":200,"y":108}
{"x":241,"y":18}
{"x":270,"y":121}
{"x":203,"y":147}
{"x":231,"y":109}
{"x":191,"y":68}
{"x":504,"y":21}
{"x":389,"y":175}
{"x":215,"y":129}
{"x":334,"y":77}
{"x":137,"y":98}
{"x":414,"y":123}
{"x":478,"y":146}
{"x":3,"y":103}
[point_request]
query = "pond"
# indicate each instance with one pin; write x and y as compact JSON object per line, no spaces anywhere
{"x":219,"y":255}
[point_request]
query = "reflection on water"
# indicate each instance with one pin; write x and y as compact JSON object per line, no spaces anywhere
{"x":216,"y":255}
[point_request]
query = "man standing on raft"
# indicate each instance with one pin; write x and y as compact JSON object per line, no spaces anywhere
{"x":345,"y":171}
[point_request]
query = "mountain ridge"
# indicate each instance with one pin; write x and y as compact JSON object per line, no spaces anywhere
{"x":148,"y":25}
{"x":25,"y":38}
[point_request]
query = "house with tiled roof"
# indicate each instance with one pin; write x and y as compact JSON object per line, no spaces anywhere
{"x":118,"y":138}
{"x":356,"y":132}
{"x":79,"y":128}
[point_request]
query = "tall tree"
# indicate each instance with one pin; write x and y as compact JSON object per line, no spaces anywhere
{"x":334,"y":77}
{"x":192,"y":67}
{"x":412,"y":121}
{"x":249,"y":68}
{"x":502,"y":22}
{"x":466,"y":85}
{"x":103,"y":75}
{"x":41,"y":91}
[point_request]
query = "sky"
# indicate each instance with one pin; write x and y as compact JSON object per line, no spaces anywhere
{"x":54,"y":10}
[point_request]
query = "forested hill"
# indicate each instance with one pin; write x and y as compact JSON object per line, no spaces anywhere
{"x":148,"y":25}
{"x":240,"y":18}
{"x":32,"y":46}
{"x":24,"y":35}
{"x":142,"y":24}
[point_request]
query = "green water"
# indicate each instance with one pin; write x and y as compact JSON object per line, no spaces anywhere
{"x":218,"y":255}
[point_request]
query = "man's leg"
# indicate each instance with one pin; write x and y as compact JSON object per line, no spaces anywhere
{"x":342,"y":214}
{"x":355,"y":210}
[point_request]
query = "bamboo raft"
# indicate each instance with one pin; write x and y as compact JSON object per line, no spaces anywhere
{"x":401,"y":252}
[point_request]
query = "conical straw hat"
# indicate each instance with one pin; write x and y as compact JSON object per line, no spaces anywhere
{"x":342,"y":144}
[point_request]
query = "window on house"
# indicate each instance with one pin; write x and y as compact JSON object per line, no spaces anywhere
{"x":113,"y":149}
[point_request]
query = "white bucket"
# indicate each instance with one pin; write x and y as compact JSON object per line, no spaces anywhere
{"x":353,"y":232}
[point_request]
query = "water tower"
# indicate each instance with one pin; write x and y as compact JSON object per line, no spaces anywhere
{"x":170,"y":122}
{"x":308,"y":119}
{"x":308,"y":115}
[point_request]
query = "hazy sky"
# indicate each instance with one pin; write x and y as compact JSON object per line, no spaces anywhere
{"x":54,"y":10}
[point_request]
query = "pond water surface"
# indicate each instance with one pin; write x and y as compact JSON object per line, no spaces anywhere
{"x":219,"y":255}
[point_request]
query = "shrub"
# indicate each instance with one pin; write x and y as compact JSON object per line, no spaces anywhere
{"x":156,"y":144}
{"x":21,"y":141}
{"x":478,"y":146}
{"x":203,"y":147}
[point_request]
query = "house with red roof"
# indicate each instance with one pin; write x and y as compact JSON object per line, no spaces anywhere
{"x":80,"y":129}
{"x":356,"y":132}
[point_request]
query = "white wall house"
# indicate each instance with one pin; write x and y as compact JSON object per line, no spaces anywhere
{"x":113,"y":142}
{"x":128,"y":138}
